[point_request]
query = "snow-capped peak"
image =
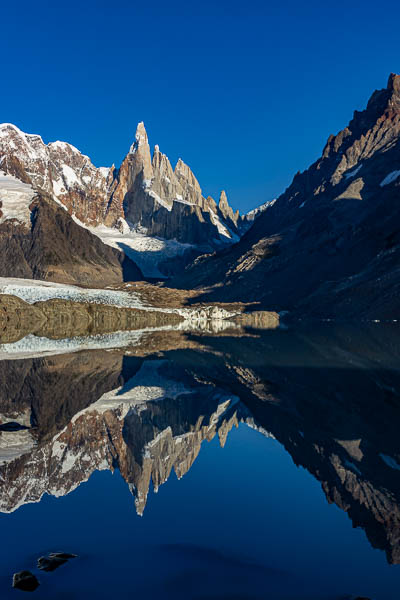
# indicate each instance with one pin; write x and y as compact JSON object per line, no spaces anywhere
{"x":57,"y":168}
{"x":63,"y":146}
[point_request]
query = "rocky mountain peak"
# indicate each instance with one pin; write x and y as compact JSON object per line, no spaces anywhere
{"x":186,"y":176}
{"x":223,"y":205}
{"x":226,"y":209}
{"x":141,"y":138}
{"x":372,"y":130}
{"x":57,"y":169}
{"x":394,"y":83}
{"x":161,"y":163}
{"x":394,"y":90}
{"x":331,"y":240}
{"x":145,"y":191}
{"x":141,"y":149}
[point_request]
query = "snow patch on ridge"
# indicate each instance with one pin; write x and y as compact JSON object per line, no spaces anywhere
{"x":353,"y":172}
{"x":390,"y":462}
{"x":253,"y":214}
{"x":160,"y":201}
{"x":63,"y":146}
{"x":222,"y":230}
{"x":69,"y":175}
{"x":104,"y":171}
{"x":390,"y":178}
{"x":15,"y":198}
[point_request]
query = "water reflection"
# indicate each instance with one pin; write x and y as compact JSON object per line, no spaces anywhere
{"x":330,"y":396}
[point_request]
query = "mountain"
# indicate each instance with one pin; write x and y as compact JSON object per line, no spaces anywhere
{"x":155,"y":214}
{"x":39,"y":240}
{"x":146,"y":432}
{"x":329,"y":246}
{"x":168,"y":202}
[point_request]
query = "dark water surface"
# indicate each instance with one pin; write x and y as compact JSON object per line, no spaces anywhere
{"x":275,"y":456}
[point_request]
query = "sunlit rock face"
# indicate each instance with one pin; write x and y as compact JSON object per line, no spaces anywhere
{"x":58,"y":169}
{"x":167,"y":202}
{"x":46,"y":192}
{"x":146,"y":191}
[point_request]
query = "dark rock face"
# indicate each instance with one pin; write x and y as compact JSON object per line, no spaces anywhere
{"x":339,"y":422}
{"x":329,"y":246}
{"x":25,"y":581}
{"x":53,"y":247}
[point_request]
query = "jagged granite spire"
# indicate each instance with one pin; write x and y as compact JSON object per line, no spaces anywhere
{"x":145,"y":190}
{"x":186,"y":177}
{"x":141,"y":150}
{"x":224,"y":207}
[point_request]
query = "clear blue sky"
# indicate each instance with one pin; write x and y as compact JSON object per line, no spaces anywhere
{"x":245,"y":92}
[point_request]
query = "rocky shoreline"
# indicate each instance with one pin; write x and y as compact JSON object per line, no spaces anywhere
{"x":58,"y":318}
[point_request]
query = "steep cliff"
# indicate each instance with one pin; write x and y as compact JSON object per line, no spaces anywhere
{"x":329,"y":245}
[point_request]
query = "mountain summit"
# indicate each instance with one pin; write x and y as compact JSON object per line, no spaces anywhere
{"x":167,"y":202}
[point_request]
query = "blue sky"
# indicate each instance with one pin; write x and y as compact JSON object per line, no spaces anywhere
{"x":245,"y":92}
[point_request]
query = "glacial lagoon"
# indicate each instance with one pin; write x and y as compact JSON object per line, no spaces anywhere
{"x":263,"y":464}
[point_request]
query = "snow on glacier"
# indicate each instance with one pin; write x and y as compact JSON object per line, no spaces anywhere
{"x":39,"y":291}
{"x":147,"y":252}
{"x":15,"y":198}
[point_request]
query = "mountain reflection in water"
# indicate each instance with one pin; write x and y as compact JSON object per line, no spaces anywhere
{"x":329,"y":395}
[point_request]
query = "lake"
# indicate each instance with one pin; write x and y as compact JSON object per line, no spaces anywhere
{"x":263,"y":464}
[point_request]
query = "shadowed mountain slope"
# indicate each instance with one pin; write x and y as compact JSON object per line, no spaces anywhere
{"x":330,"y":244}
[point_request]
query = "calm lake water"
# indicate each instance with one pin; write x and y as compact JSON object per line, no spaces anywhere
{"x":187,"y":466}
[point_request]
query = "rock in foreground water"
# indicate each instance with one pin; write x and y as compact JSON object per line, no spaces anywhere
{"x":26,"y":581}
{"x":54,"y":560}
